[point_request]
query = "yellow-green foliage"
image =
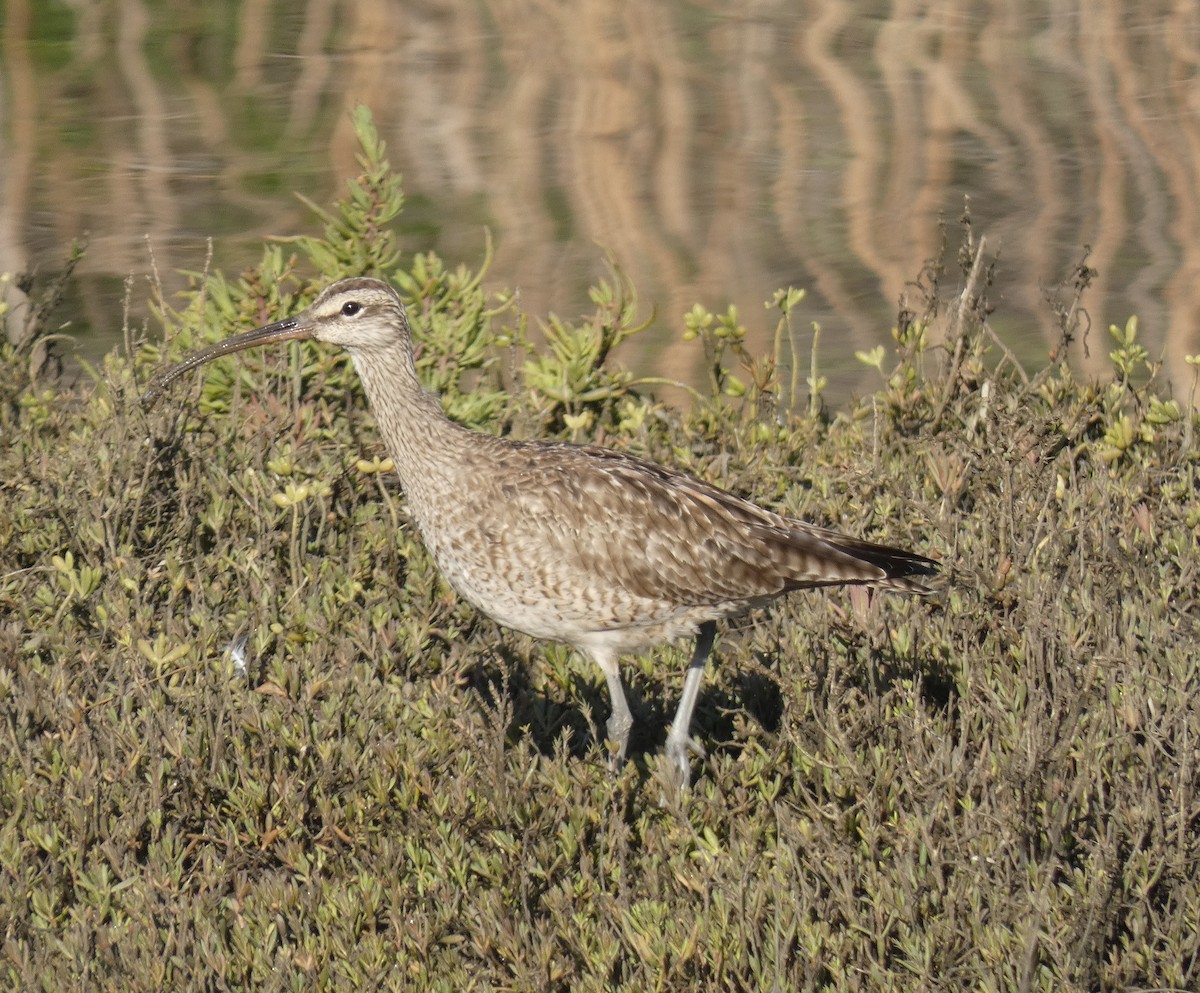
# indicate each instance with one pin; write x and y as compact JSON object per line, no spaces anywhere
{"x":250,"y":741}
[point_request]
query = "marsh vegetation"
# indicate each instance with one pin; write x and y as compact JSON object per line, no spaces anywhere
{"x":250,"y":740}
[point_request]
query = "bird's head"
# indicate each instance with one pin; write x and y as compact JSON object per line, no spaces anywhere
{"x":359,"y":313}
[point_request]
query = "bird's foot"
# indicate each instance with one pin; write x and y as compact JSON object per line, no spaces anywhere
{"x":618,"y":741}
{"x":678,"y":753}
{"x":616,"y":757}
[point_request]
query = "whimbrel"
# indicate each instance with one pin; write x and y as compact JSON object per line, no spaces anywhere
{"x":601,"y":550}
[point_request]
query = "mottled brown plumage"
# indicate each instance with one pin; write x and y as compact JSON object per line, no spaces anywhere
{"x":602,"y":550}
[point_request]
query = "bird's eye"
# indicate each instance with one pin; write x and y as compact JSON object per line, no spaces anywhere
{"x":350,"y":308}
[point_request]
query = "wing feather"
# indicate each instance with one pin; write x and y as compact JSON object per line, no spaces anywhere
{"x":661,"y":534}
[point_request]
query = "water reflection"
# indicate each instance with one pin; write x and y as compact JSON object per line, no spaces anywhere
{"x":717,"y":150}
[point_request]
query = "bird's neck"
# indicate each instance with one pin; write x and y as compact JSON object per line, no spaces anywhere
{"x":421,"y":440}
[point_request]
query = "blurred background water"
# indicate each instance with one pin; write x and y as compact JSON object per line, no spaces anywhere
{"x":717,"y":150}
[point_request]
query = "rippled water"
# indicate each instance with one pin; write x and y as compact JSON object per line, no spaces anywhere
{"x":718,"y":151}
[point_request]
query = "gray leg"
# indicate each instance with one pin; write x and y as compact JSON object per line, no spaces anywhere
{"x":621,"y":720}
{"x":679,"y":741}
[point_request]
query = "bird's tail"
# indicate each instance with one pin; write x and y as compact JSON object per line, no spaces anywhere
{"x":880,"y":566}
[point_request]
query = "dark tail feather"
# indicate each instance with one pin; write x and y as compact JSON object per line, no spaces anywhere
{"x":900,"y":568}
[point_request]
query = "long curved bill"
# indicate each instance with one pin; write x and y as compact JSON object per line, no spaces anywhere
{"x":285,"y":330}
